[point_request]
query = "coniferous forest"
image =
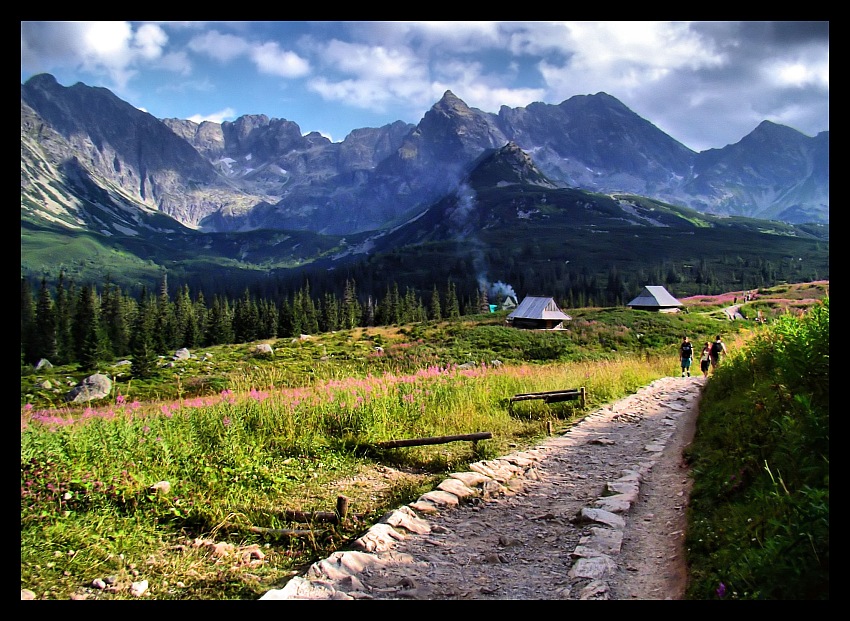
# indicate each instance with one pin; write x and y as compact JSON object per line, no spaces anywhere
{"x":85,"y":323}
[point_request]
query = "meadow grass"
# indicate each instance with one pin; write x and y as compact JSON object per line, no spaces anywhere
{"x":90,"y":507}
{"x":173,"y":483}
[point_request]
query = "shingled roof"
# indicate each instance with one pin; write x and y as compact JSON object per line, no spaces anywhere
{"x":538,"y":308}
{"x":655,"y":296}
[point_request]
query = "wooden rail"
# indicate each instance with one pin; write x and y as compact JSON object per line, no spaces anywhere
{"x":472,"y":437}
{"x":553,"y":396}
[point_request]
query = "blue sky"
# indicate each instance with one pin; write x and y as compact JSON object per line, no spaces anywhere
{"x":706,"y":84}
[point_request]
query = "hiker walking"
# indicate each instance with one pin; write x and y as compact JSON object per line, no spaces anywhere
{"x":717,"y":349}
{"x":705,"y":359}
{"x":686,"y":355}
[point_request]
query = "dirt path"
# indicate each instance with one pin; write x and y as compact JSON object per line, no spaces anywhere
{"x":595,"y":513}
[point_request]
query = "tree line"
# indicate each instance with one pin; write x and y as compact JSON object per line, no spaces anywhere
{"x":66,"y":323}
{"x":70,"y":324}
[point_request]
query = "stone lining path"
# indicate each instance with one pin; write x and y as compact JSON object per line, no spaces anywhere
{"x":546,"y":523}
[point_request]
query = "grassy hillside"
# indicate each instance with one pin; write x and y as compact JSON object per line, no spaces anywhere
{"x":241,"y":438}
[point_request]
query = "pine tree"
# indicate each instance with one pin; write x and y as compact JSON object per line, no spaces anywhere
{"x":452,"y":304}
{"x":246,"y":319}
{"x":184,"y":316}
{"x":329,"y":313}
{"x":89,"y":336}
{"x":436,"y":312}
{"x":351,"y":311}
{"x":29,"y":347}
{"x":116,"y":312}
{"x":201,"y":323}
{"x":220,"y":322}
{"x":370,"y":311}
{"x":143,"y":352}
{"x":309,"y":315}
{"x":286,"y":325}
{"x":165,"y":328}
{"x":44,"y":335}
{"x":268,"y":319}
{"x":65,"y":311}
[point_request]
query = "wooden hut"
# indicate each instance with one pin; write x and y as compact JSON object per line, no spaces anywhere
{"x":538,"y":313}
{"x":655,"y":298}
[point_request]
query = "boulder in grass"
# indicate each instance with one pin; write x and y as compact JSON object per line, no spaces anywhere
{"x":182,"y":354}
{"x":43,"y":364}
{"x":263,"y":349}
{"x":95,"y":386}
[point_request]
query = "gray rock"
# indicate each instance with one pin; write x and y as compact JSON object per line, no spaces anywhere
{"x":95,"y":386}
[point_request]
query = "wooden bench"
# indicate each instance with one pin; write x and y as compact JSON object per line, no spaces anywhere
{"x":553,"y":396}
{"x":470,"y":437}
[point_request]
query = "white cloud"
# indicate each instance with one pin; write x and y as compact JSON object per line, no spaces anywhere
{"x":100,"y":48}
{"x":222,"y":47}
{"x":216,"y":117}
{"x":798,"y":73}
{"x":269,"y":58}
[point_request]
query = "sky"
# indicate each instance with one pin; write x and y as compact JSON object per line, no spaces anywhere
{"x":706,"y":84}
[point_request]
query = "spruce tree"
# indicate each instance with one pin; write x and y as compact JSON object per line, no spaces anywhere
{"x":351,"y":311}
{"x":184,"y":317}
{"x":329,"y":313}
{"x":143,"y":351}
{"x":268,"y":319}
{"x":452,"y":304}
{"x":65,"y":298}
{"x":28,"y":316}
{"x":44,"y":335}
{"x":89,"y":336}
{"x":116,"y":316}
{"x":165,"y":328}
{"x":435,"y":312}
{"x":246,"y":319}
{"x":286,"y":325}
{"x":201,"y":322}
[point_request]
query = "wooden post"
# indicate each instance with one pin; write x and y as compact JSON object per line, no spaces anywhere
{"x":549,"y":427}
{"x":341,"y":508}
{"x":583,"y":397}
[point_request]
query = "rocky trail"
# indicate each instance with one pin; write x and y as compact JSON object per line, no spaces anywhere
{"x":594,"y":513}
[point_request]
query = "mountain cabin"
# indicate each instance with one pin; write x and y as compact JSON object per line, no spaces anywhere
{"x":655,"y":298}
{"x":538,"y":313}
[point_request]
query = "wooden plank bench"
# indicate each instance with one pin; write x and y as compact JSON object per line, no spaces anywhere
{"x":470,"y":437}
{"x":553,"y":396}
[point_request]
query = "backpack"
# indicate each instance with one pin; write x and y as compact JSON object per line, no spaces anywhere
{"x":687,"y":350}
{"x":716,"y":348}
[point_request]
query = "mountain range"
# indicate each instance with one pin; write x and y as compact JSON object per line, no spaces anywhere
{"x":261,"y":173}
{"x":256,"y":195}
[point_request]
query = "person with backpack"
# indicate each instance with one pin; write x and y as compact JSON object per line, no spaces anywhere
{"x":686,"y":355}
{"x":705,"y":359}
{"x":717,"y":349}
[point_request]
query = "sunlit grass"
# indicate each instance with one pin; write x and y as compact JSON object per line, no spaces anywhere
{"x":145,"y":485}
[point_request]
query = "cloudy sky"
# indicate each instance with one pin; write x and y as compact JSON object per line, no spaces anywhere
{"x":706,"y":84}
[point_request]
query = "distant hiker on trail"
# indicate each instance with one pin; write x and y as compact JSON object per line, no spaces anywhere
{"x":717,"y":349}
{"x":705,"y":359}
{"x":686,"y":354}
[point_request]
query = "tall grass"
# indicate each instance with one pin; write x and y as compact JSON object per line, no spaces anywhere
{"x":759,"y":513}
{"x":238,"y":460}
{"x":139,"y":489}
